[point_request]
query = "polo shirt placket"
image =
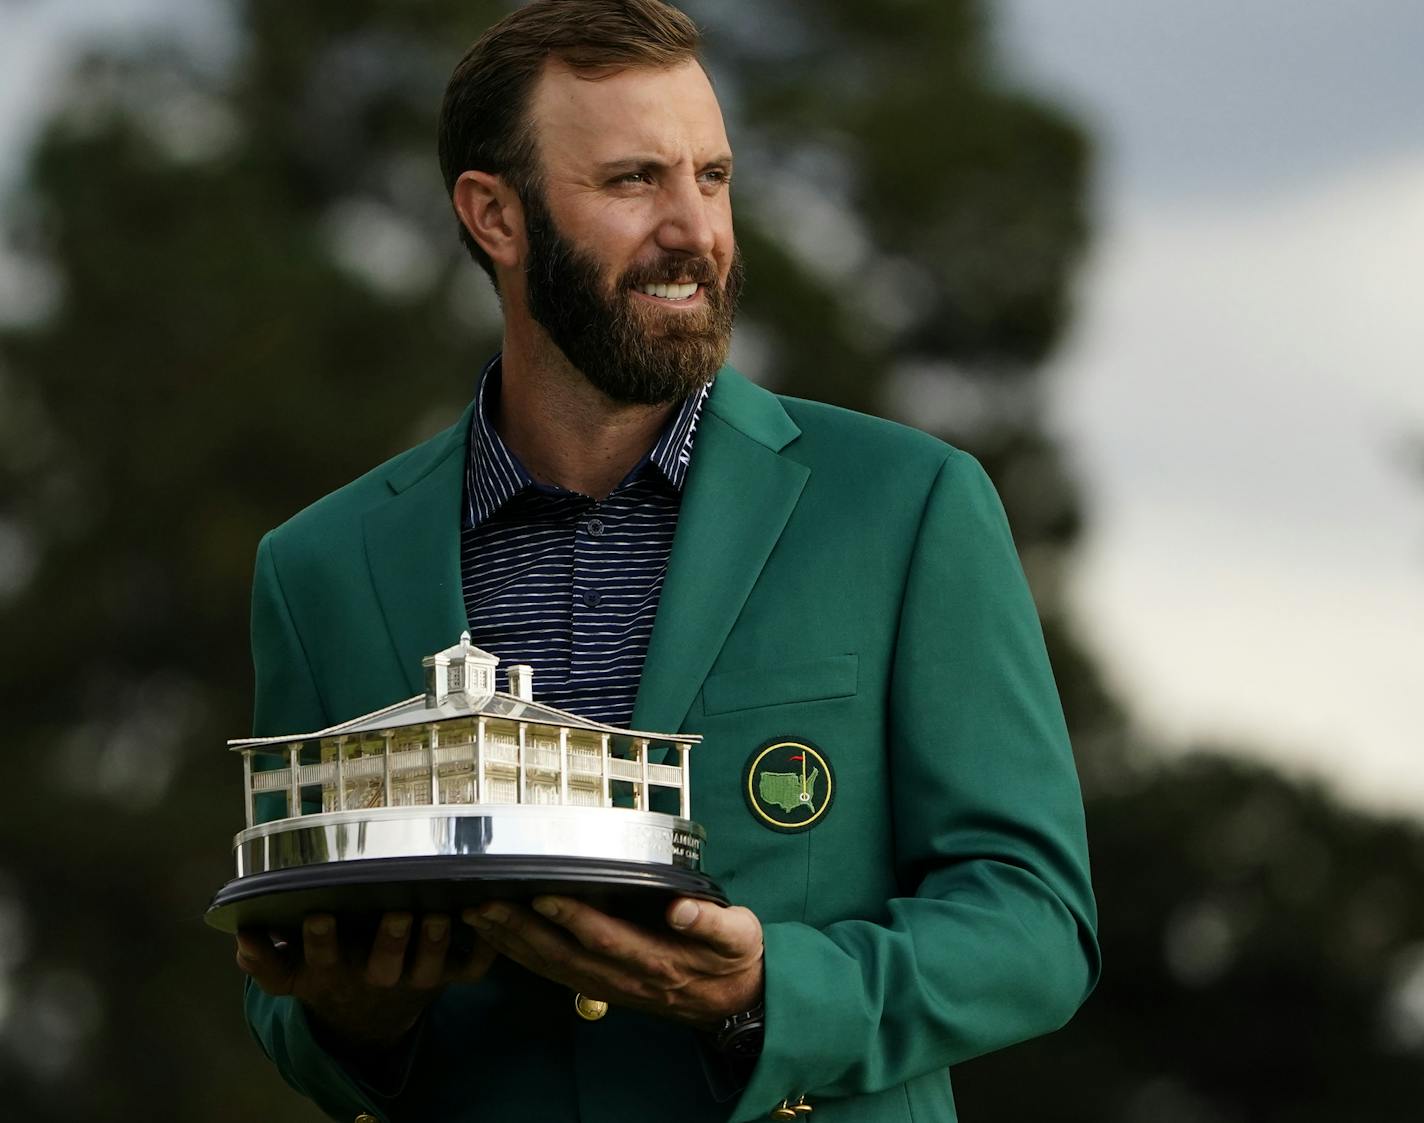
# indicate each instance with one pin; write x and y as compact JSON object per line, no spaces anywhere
{"x":564,"y":582}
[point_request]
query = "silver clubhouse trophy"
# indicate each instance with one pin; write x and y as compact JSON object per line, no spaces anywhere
{"x":457,"y":795}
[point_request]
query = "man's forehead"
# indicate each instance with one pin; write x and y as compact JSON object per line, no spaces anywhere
{"x":658,"y":113}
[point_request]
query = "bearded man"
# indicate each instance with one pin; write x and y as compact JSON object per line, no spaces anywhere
{"x":672,"y":547}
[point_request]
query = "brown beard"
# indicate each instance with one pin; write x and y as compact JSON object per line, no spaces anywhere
{"x":632,"y":353}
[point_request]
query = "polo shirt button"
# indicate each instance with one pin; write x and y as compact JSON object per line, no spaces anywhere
{"x":591,"y":599}
{"x":595,"y":527}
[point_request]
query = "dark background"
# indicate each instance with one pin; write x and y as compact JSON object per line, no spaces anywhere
{"x":261,"y":296}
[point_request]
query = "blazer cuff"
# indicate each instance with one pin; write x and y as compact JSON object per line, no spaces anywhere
{"x":804,"y":1046}
{"x":335,"y":1084}
{"x":382,"y":1074}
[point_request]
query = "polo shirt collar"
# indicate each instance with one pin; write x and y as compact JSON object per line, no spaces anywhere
{"x":494,"y":475}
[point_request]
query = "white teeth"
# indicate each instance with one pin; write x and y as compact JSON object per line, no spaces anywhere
{"x":671,"y":292}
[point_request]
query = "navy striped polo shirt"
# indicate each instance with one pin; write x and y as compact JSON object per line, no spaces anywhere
{"x":564,"y":582}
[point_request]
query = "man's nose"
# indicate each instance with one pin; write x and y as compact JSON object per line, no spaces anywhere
{"x":686,"y":224}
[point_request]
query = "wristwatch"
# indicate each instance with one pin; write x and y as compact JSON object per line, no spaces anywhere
{"x":741,"y":1035}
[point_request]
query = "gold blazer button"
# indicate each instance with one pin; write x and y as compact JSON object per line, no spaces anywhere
{"x":589,"y":1009}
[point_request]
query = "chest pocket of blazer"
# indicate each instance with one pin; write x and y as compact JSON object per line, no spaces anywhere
{"x":810,"y":680}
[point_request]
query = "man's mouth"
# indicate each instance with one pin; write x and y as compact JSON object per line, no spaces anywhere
{"x":676,"y":293}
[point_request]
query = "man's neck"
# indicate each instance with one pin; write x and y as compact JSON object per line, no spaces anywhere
{"x":564,"y":430}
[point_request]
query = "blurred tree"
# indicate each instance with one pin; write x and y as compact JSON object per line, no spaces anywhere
{"x":245,"y":289}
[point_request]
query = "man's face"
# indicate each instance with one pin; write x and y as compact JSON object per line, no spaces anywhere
{"x":632,"y":267}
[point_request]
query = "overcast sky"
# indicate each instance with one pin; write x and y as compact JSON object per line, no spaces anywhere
{"x":1245,"y":371}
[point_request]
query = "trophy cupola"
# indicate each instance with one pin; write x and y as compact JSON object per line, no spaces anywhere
{"x":463,"y":672}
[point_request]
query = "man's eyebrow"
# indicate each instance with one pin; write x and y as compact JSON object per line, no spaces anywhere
{"x":630,"y":163}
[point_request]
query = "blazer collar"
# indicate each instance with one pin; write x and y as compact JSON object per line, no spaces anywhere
{"x":737,"y":498}
{"x":408,"y":470}
{"x":413,"y":549}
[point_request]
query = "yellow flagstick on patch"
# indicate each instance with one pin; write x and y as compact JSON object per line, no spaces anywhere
{"x":788,"y":784}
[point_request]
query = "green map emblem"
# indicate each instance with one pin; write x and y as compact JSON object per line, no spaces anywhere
{"x":789,"y":784}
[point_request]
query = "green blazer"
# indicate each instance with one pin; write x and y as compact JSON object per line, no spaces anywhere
{"x":835,"y":579}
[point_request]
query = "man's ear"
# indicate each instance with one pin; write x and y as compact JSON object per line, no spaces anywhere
{"x":490,"y":210}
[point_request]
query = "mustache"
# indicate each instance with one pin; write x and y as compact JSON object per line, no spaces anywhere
{"x":670,"y":270}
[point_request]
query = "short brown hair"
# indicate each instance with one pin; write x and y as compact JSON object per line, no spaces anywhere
{"x":484,"y":123}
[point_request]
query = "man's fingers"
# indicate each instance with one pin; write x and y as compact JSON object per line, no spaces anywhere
{"x":510,"y":929}
{"x":320,"y":947}
{"x":428,"y":967}
{"x":546,"y":950}
{"x":250,"y":951}
{"x":471,"y":967}
{"x":604,"y":935}
{"x":269,"y":969}
{"x":386,"y":963}
{"x":733,"y":933}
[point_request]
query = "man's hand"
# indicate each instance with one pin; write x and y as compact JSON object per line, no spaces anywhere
{"x":363,"y":1006}
{"x":704,"y":968}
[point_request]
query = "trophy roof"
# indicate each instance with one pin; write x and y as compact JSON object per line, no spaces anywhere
{"x":414,"y":711}
{"x":465,"y":650}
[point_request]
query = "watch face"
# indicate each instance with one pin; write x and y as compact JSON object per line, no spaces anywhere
{"x":744,"y":1041}
{"x":742,"y":1036}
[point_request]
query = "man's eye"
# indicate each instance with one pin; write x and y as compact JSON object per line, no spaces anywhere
{"x":634,"y":177}
{"x":716,"y":176}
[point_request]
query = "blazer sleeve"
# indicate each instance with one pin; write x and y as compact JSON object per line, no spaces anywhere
{"x":287,"y":701}
{"x":997,"y":943}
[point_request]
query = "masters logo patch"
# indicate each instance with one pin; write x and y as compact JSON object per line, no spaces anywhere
{"x":788,"y":784}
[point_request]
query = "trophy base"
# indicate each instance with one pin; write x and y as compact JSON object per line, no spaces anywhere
{"x":444,"y":859}
{"x":279,"y":900}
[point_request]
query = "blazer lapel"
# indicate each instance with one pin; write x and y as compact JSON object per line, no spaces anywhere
{"x":413,"y":548}
{"x":738,"y":497}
